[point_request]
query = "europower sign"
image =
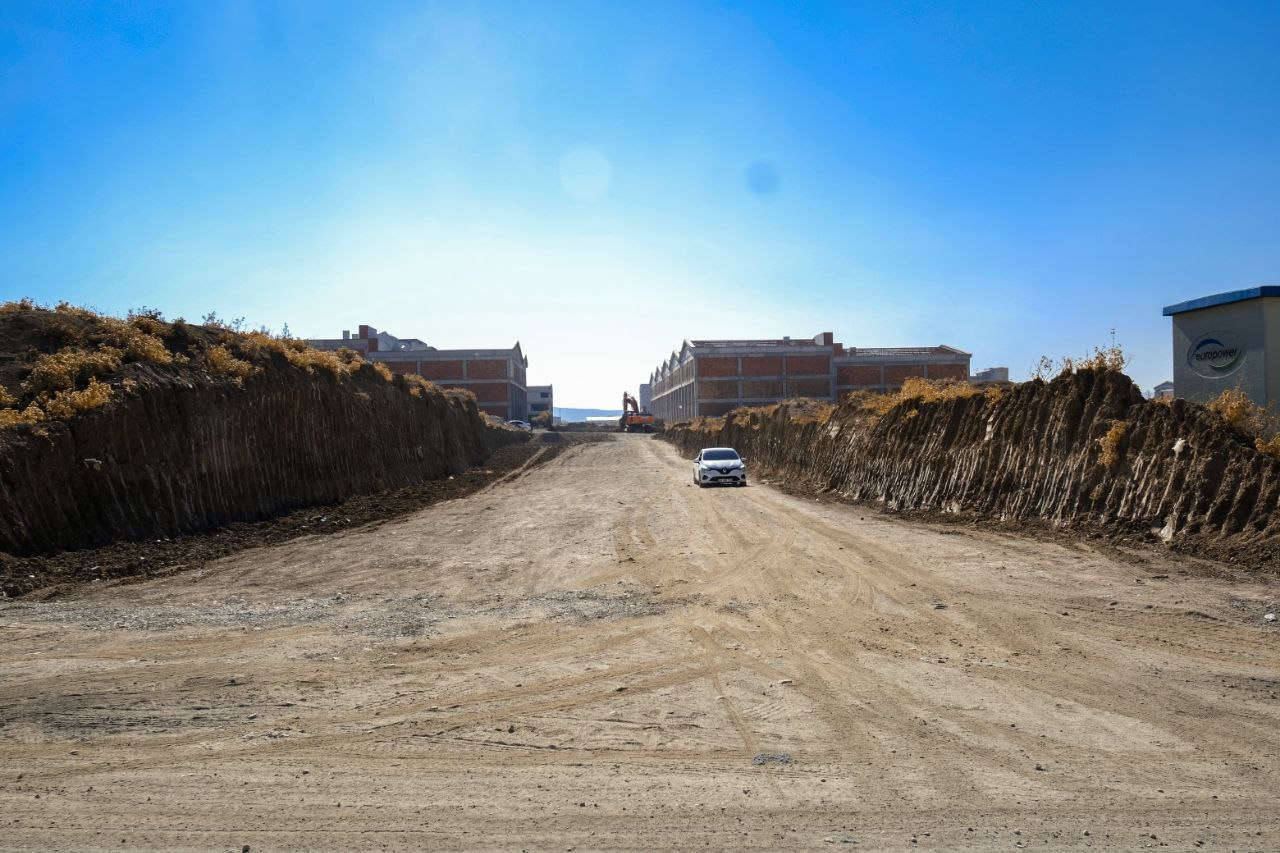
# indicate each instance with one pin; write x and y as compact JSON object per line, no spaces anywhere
{"x":1215,"y":355}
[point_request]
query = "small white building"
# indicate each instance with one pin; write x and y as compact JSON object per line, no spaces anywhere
{"x":1228,"y":340}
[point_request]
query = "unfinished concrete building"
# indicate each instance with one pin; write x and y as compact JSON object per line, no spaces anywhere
{"x":713,"y":377}
{"x":495,"y":376}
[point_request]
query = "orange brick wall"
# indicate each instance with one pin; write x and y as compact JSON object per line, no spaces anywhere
{"x":800,"y":364}
{"x":440,"y":369}
{"x":762,"y":388}
{"x":489,"y":392}
{"x":857,"y":374}
{"x":402,"y":366}
{"x":717,"y":366}
{"x":488,"y":368}
{"x":718,"y":390}
{"x":809,"y":388}
{"x":895,"y":373}
{"x":948,"y":371}
{"x":762,"y":365}
{"x":715,"y":409}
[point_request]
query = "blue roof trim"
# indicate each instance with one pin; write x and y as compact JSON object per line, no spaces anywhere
{"x":1222,"y":299}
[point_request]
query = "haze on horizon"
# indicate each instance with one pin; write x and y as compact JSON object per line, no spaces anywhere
{"x":601,"y":181}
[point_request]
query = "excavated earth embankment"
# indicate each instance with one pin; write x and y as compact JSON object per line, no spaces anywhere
{"x":211,"y":428}
{"x":1085,"y":450}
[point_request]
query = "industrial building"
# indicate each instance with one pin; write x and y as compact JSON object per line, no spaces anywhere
{"x":541,"y":400}
{"x":990,"y":374}
{"x":713,"y":377}
{"x":495,"y":376}
{"x":1228,"y":340}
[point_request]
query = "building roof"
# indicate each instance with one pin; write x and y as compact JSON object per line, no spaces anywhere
{"x":940,"y":349}
{"x":1222,"y":299}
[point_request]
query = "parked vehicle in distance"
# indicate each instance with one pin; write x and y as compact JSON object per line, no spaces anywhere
{"x":518,"y":424}
{"x":719,"y":466}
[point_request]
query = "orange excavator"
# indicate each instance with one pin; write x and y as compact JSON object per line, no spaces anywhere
{"x":634,"y":420}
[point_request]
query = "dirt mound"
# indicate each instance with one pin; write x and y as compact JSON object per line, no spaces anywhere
{"x":117,"y":430}
{"x":1085,"y":450}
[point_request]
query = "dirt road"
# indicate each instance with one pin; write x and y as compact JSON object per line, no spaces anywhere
{"x":598,"y":654}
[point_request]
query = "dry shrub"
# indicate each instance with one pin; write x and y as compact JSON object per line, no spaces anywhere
{"x":17,"y":305}
{"x":383,"y":371}
{"x":70,"y":310}
{"x":1109,"y":358}
{"x":7,"y":399}
{"x":1246,"y":417}
{"x":993,"y":393}
{"x":68,"y":404}
{"x":916,"y":390}
{"x":218,"y":359}
{"x":30,"y":415}
{"x":138,"y":345}
{"x":64,"y":369}
{"x":1269,"y":446}
{"x":418,"y":386}
{"x":1110,"y":444}
{"x":702,"y":423}
{"x":935,"y":390}
{"x":309,"y":359}
{"x":1162,"y":401}
{"x":260,"y":344}
{"x":1240,"y":413}
{"x":461,"y":394}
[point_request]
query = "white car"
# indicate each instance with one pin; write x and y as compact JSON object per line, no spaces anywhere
{"x":719,"y":466}
{"x":518,"y":424}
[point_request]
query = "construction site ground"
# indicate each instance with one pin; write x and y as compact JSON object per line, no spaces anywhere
{"x":596,"y":653}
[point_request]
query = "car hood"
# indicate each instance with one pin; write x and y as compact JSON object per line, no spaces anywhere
{"x":719,"y":463}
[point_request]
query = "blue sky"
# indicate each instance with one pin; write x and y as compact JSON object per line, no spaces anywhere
{"x":601,"y":180}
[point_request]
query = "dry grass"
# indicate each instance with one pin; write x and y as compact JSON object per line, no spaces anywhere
{"x":1240,"y":413}
{"x":13,"y":417}
{"x":68,"y":404}
{"x":1246,"y":417}
{"x":383,"y":371}
{"x":17,"y":305}
{"x":1110,"y":444}
{"x":916,"y":391}
{"x":218,"y":359}
{"x":6,"y":399}
{"x":1109,"y":358}
{"x":418,"y":386}
{"x":63,"y":370}
{"x":461,"y":394}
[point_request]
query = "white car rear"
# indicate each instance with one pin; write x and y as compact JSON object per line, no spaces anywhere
{"x":719,"y":466}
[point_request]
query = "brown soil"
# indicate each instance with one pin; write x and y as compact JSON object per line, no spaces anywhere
{"x":597,"y":654}
{"x":186,"y":446}
{"x":1034,"y":458}
{"x":47,"y":577}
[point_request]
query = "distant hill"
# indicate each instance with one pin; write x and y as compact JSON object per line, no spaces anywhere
{"x":576,"y":415}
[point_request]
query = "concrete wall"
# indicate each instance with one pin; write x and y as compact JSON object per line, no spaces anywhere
{"x":1202,"y":369}
{"x":541,"y":399}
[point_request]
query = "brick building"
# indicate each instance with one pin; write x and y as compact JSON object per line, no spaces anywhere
{"x":712,"y":377}
{"x":495,"y":376}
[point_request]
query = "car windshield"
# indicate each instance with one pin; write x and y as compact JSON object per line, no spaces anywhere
{"x":719,"y":455}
